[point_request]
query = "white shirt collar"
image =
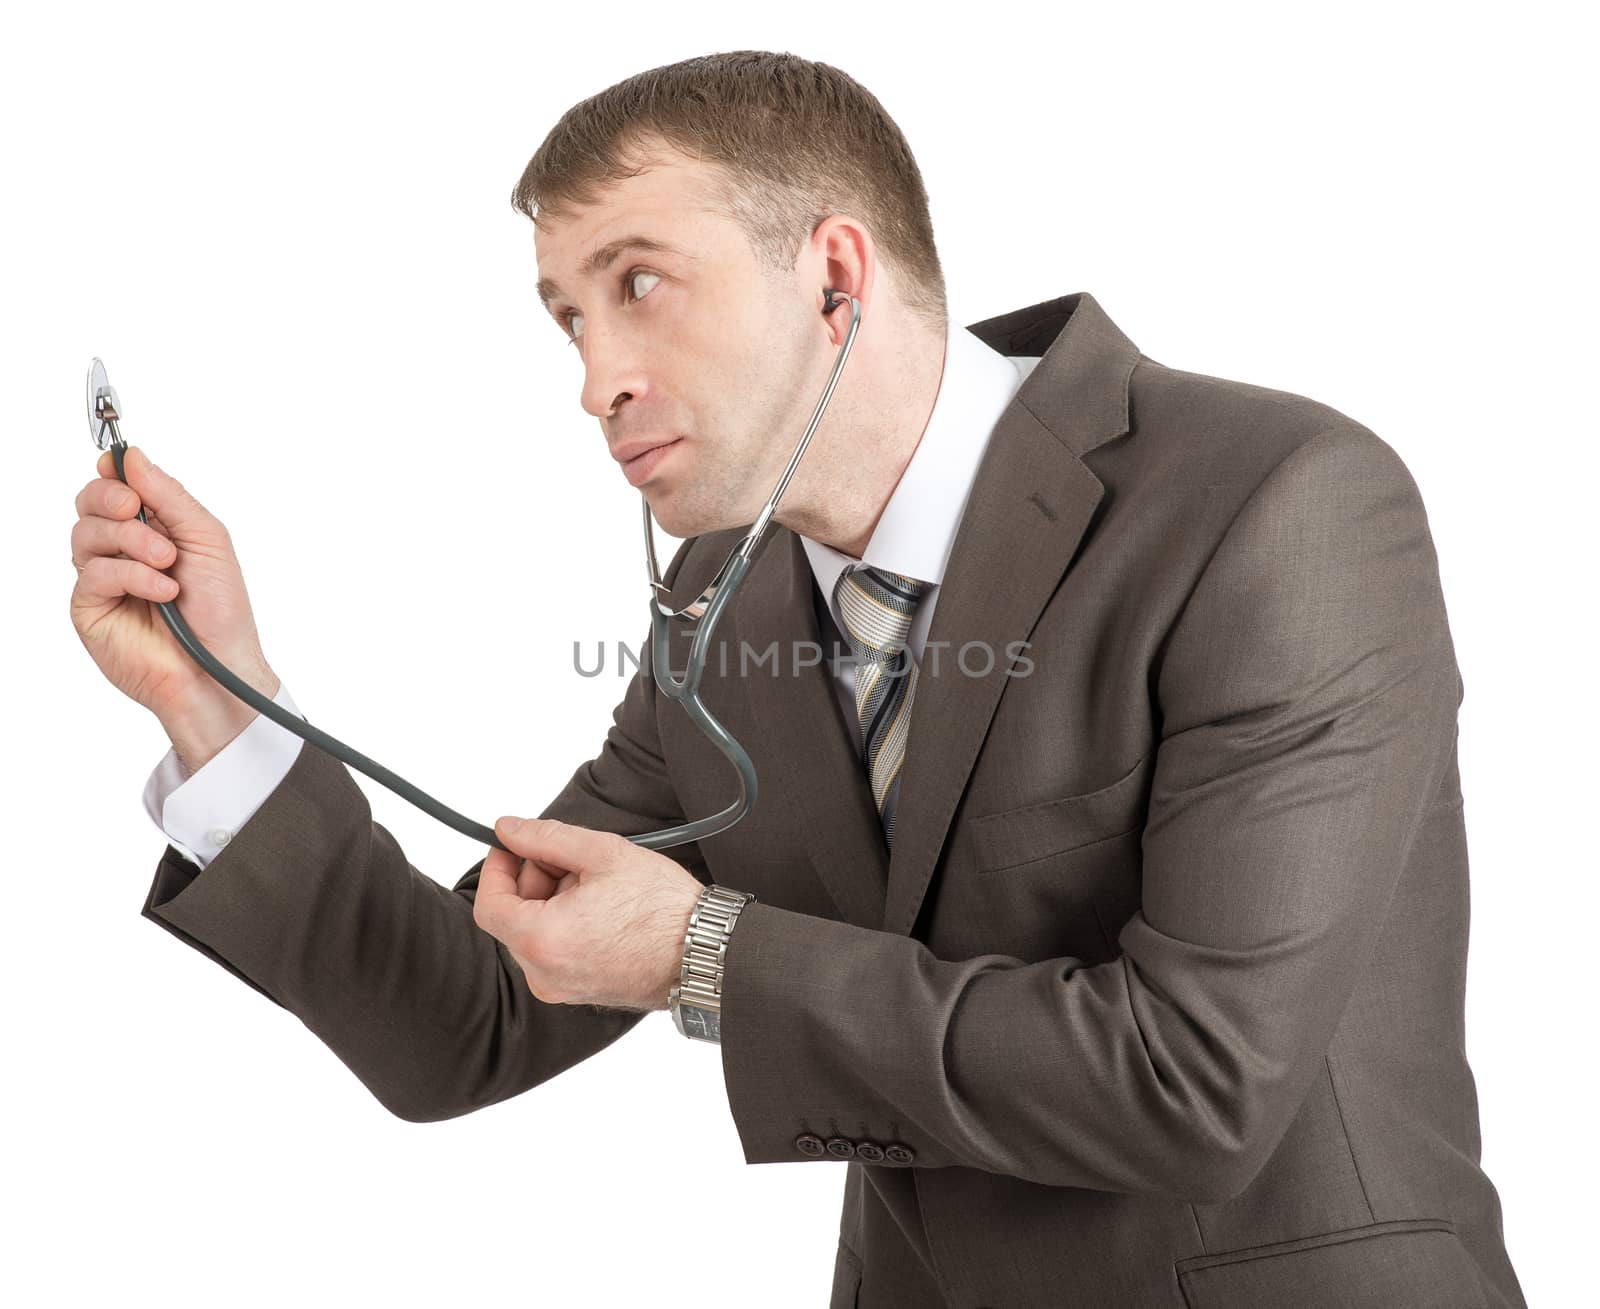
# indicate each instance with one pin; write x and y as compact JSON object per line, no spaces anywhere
{"x":918,"y":526}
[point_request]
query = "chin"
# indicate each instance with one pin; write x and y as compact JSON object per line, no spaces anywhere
{"x":670,"y":516}
{"x":683,"y":521}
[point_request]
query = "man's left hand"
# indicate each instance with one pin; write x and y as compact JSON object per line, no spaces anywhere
{"x":591,"y":917}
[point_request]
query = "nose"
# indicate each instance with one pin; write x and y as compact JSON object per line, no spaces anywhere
{"x":612,"y":372}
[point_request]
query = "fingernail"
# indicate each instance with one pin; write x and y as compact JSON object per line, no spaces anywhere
{"x":510,"y":824}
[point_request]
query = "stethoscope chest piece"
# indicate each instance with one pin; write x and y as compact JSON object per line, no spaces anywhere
{"x":104,"y":407}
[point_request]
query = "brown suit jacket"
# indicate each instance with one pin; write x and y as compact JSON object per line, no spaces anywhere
{"x":1159,"y":1001}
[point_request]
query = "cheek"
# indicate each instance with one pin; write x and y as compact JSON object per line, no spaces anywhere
{"x":689,"y":324}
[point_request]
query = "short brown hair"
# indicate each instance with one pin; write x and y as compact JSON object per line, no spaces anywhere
{"x":796,"y":140}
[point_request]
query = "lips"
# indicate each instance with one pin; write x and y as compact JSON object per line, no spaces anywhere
{"x":633,"y":449}
{"x":642,"y":467}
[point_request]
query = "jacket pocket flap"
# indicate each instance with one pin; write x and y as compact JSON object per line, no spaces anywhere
{"x":1032,"y":831}
{"x":1416,"y":1262}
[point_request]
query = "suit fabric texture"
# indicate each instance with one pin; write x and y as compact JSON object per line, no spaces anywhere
{"x":1158,"y":1002}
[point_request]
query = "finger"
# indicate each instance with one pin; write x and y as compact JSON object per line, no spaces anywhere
{"x":534,"y":882}
{"x":499,"y":872}
{"x":94,"y":537}
{"x":112,"y":499}
{"x":106,"y":499}
{"x":559,"y":847}
{"x":111,"y":579}
{"x":497,"y":906}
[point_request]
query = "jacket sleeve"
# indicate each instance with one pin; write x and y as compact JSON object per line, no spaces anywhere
{"x":315,"y":905}
{"x":1307,"y":710}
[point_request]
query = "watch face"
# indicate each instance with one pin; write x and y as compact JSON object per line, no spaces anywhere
{"x":702,"y":1023}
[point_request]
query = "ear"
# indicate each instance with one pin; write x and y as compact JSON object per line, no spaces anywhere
{"x":843,"y":249}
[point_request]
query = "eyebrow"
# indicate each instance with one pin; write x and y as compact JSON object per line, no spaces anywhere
{"x":605,"y":256}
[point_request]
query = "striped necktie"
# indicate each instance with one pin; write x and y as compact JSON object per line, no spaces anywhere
{"x":877,"y":607}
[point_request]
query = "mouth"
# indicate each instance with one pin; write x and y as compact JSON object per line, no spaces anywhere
{"x":643,"y":463}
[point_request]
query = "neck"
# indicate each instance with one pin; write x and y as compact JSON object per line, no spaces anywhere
{"x":888,"y":411}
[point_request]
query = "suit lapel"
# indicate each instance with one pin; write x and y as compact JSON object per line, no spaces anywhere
{"x":1030,"y":505}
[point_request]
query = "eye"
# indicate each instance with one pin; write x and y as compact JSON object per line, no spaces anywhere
{"x":572,"y":322}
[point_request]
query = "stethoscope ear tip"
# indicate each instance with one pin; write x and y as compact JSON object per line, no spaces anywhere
{"x":832,"y":299}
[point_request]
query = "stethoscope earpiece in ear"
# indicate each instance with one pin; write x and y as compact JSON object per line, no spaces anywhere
{"x":831,"y":300}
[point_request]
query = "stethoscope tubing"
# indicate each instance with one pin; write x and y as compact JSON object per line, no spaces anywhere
{"x":707,"y":610}
{"x":686,"y":692}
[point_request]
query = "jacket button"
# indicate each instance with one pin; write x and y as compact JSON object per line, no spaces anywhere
{"x":841,"y":1148}
{"x":870,"y":1151}
{"x":896,"y":1153}
{"x":808,"y":1144}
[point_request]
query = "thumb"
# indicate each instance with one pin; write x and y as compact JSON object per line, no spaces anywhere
{"x":560,"y":847}
{"x":163,"y":492}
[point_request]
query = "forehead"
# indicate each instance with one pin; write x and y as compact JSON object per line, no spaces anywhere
{"x":668,"y":202}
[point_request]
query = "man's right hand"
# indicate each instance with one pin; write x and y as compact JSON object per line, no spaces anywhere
{"x":181,"y":552}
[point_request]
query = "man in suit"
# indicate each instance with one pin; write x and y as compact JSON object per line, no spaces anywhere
{"x":1134,"y":979}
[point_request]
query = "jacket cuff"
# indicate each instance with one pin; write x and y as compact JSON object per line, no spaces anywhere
{"x":800,"y":1050}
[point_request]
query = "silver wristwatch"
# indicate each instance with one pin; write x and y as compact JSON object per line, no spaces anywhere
{"x":696,"y":997}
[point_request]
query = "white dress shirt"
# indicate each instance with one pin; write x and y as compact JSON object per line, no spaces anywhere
{"x":199,"y":812}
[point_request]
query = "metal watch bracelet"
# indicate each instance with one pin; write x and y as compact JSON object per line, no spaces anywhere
{"x":696,"y":998}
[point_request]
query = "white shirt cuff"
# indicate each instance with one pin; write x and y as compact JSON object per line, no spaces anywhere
{"x":199,"y":812}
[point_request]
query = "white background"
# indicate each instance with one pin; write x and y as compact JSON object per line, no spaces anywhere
{"x":286,"y":230}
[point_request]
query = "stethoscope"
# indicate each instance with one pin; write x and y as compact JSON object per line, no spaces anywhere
{"x":105,"y":413}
